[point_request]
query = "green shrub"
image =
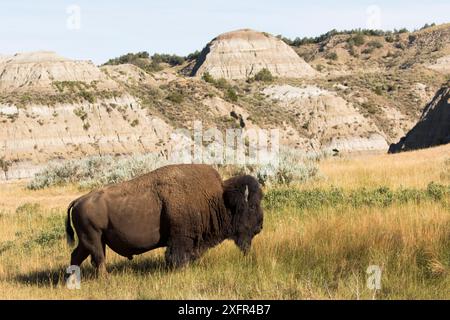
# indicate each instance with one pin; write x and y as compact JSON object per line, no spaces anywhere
{"x":28,"y":208}
{"x":207,"y":77}
{"x":4,"y":166}
{"x":88,"y":96}
{"x":370,"y":108}
{"x":379,"y":90}
{"x":264,"y":75}
{"x":436,"y":191}
{"x":71,"y":86}
{"x":149,"y":67}
{"x":316,"y":198}
{"x":86,"y":126}
{"x":375,"y":44}
{"x":320,"y":67}
{"x":356,"y":40}
{"x":332,"y":56}
{"x":231,"y":95}
{"x":48,"y":237}
{"x":5,"y":246}
{"x":380,"y":197}
{"x":367,"y":50}
{"x":221,"y":83}
{"x":175,"y":97}
{"x":389,"y":38}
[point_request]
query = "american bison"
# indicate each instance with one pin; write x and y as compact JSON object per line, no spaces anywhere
{"x":186,"y":208}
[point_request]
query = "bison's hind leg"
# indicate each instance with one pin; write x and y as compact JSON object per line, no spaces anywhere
{"x":180,"y":252}
{"x":91,"y":243}
{"x":98,"y":255}
{"x":78,"y":255}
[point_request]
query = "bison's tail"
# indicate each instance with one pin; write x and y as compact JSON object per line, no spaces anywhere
{"x":69,"y":230}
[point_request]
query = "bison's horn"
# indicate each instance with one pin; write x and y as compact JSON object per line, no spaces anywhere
{"x":246,"y":194}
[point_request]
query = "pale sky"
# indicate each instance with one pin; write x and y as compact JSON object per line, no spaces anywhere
{"x":105,"y":29}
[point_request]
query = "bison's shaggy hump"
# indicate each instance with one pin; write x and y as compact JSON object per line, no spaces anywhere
{"x":186,"y":208}
{"x":182,"y":175}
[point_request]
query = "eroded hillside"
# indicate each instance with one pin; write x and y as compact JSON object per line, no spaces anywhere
{"x":365,"y":92}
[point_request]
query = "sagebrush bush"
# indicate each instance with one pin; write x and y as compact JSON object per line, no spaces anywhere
{"x":95,"y":171}
{"x":292,"y":167}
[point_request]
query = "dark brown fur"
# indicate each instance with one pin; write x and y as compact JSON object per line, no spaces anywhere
{"x":186,"y":208}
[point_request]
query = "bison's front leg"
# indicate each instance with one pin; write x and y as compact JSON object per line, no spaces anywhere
{"x":181,"y":251}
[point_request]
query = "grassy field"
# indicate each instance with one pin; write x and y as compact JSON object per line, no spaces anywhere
{"x":319,"y":238}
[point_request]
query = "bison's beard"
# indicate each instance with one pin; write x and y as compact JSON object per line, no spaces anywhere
{"x":243,"y":243}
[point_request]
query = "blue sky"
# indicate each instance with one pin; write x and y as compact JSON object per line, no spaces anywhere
{"x":111,"y":28}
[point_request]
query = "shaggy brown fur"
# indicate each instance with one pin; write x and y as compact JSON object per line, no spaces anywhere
{"x":186,"y":208}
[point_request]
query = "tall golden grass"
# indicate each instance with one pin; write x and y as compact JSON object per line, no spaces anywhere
{"x":311,"y":253}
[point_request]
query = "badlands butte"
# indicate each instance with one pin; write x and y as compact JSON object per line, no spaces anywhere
{"x":354,"y":91}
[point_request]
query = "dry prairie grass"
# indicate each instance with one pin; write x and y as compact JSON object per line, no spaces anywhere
{"x":308,"y":253}
{"x":408,"y":169}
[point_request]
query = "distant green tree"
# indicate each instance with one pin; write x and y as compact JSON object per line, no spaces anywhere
{"x":146,"y":62}
{"x":426,"y":26}
{"x":354,"y":32}
{"x":403,"y":30}
{"x":193,"y":56}
{"x":171,"y":59}
{"x":128,"y":58}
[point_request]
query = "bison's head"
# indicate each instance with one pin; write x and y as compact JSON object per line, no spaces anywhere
{"x":242,"y":196}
